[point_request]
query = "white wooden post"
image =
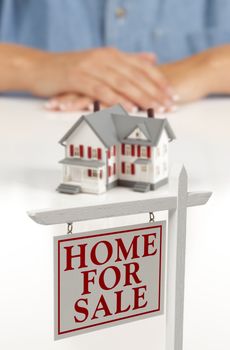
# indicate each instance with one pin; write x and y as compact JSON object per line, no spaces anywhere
{"x":176,"y":262}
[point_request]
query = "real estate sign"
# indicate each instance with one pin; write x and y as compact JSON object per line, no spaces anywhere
{"x":108,"y":277}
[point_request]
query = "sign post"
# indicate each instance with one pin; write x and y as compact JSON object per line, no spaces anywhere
{"x":102,"y":291}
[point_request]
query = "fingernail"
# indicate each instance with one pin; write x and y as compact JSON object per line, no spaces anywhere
{"x":167,"y":103}
{"x":51,"y":104}
{"x":65,"y":106}
{"x":161,"y":109}
{"x":134,"y":109}
{"x":173,"y":108}
{"x":176,"y":97}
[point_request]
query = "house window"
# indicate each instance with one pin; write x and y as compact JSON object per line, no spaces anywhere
{"x":143,"y":151}
{"x":77,"y":151}
{"x":94,"y":153}
{"x":128,"y":168}
{"x":92,"y":173}
{"x":128,"y":150}
{"x":114,"y":150}
{"x":144,"y":168}
{"x":137,"y":134}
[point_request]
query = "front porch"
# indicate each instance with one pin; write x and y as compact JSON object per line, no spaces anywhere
{"x":83,"y":175}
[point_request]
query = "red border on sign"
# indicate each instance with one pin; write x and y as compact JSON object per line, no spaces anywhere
{"x":121,"y":318}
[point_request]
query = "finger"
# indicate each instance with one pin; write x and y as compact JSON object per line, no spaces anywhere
{"x":95,"y":88}
{"x":135,"y":89}
{"x":149,"y":57}
{"x":153,"y":73}
{"x":68,"y":102}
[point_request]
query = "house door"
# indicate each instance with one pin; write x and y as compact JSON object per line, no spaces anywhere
{"x":75,"y":174}
{"x":143,"y":172}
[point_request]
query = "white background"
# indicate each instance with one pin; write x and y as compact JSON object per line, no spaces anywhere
{"x":29,"y":174}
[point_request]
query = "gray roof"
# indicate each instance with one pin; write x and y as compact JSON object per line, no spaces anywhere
{"x":102,"y":124}
{"x":126,"y":124}
{"x":82,"y":162}
{"x":113,"y":125}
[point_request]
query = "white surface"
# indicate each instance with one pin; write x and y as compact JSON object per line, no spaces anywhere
{"x":29,"y":173}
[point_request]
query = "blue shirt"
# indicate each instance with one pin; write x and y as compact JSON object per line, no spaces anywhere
{"x":173,"y":29}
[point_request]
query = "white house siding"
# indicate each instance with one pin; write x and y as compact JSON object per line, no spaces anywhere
{"x":131,"y":160}
{"x":160,"y":158}
{"x":111,"y":161}
{"x":85,"y":136}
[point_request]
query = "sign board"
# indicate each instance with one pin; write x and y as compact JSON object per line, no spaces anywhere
{"x":108,"y":277}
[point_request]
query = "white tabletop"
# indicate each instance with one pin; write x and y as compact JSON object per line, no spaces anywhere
{"x":29,"y":174}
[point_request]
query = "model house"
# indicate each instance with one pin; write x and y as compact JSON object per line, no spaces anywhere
{"x":110,"y":148}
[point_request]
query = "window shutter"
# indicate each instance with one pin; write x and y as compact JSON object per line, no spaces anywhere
{"x":109,"y":170}
{"x":89,"y":172}
{"x":133,"y":150}
{"x":89,"y":152}
{"x":71,"y":150}
{"x":133,"y":169}
{"x":114,"y":150}
{"x":139,"y":150}
{"x":99,"y":153}
{"x":109,"y":154}
{"x":81,"y":151}
{"x":123,"y":167}
{"x":122,"y":149}
{"x":114,"y":169}
{"x":149,"y":152}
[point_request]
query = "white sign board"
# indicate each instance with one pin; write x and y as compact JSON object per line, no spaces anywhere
{"x":108,"y":277}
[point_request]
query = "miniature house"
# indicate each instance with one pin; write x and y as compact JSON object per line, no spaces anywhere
{"x":109,"y":148}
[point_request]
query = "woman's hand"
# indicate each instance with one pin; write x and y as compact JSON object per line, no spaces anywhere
{"x":107,"y":75}
{"x":200,"y":75}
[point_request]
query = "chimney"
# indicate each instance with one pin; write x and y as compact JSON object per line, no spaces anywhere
{"x":96,"y":106}
{"x":150,"y":113}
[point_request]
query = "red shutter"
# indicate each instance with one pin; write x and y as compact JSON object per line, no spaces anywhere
{"x":71,"y":150}
{"x":122,"y":149}
{"x":133,"y":150}
{"x":139,"y":150}
{"x":109,"y":154}
{"x":81,"y":151}
{"x":89,"y":172}
{"x":149,"y":152}
{"x":89,"y":152}
{"x":114,"y":169}
{"x":114,"y":150}
{"x":101,"y":174}
{"x":123,"y":167}
{"x":99,"y":153}
{"x":132,"y":169}
{"x":109,"y":170}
